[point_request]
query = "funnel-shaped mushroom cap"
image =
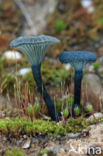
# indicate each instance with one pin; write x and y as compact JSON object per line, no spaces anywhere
{"x":34,"y":47}
{"x":77,"y":59}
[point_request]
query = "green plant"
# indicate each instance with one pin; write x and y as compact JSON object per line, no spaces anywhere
{"x":65,"y":113}
{"x":88,"y":108}
{"x":100,"y":21}
{"x":77,"y":111}
{"x":14,"y":152}
{"x":96,"y":66}
{"x":46,"y":152}
{"x":59,"y":106}
{"x":70,"y":101}
{"x":9,"y":83}
{"x":36,"y":109}
{"x":30,"y":110}
{"x":29,"y":78}
{"x":60,"y":25}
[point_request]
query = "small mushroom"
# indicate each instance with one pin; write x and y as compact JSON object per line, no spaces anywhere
{"x":77,"y":59}
{"x":34,"y":48}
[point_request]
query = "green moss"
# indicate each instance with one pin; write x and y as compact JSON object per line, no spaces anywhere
{"x":51,"y":75}
{"x":9,"y":84}
{"x":60,"y":25}
{"x":100,"y":21}
{"x":30,"y":110}
{"x":47,"y":152}
{"x":59,"y":106}
{"x":70,"y":101}
{"x":77,"y":111}
{"x":88,"y":108}
{"x":29,"y":78}
{"x":36,"y":109}
{"x":18,"y":126}
{"x":76,"y":125}
{"x":96,"y":66}
{"x":3,"y":126}
{"x":14,"y":152}
{"x":65,"y":113}
{"x":62,"y":105}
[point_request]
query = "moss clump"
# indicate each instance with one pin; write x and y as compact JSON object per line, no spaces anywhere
{"x":18,"y":126}
{"x":65,"y":113}
{"x":76,"y":125}
{"x":88,"y":108}
{"x":36,"y":109}
{"x":77,"y":111}
{"x":59,"y":106}
{"x":30,"y":110}
{"x":14,"y":152}
{"x":29,"y":78}
{"x":3,"y":126}
{"x":33,"y":111}
{"x":60,"y":25}
{"x":9,"y":84}
{"x":96,"y":66}
{"x":47,"y":152}
{"x":51,"y":74}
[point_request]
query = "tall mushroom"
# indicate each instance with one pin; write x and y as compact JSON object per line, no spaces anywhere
{"x":77,"y":59}
{"x":34,"y":48}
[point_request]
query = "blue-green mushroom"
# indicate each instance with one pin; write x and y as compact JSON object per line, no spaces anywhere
{"x":34,"y":48}
{"x":77,"y":59}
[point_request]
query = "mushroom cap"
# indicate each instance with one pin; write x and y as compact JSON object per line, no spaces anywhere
{"x":34,"y":47}
{"x":77,"y":58}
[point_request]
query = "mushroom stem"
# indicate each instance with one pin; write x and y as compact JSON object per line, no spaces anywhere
{"x":77,"y":88}
{"x":41,"y":88}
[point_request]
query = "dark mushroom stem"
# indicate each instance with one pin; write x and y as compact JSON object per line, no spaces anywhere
{"x":41,"y":88}
{"x":77,"y":88}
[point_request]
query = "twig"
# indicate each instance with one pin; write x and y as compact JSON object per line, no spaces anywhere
{"x":25,"y":13}
{"x":94,"y":117}
{"x":79,"y":13}
{"x":100,"y":105}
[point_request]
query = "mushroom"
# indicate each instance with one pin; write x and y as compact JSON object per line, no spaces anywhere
{"x":77,"y":59}
{"x":34,"y":48}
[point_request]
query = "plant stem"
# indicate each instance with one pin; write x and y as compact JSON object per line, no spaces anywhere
{"x":41,"y":88}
